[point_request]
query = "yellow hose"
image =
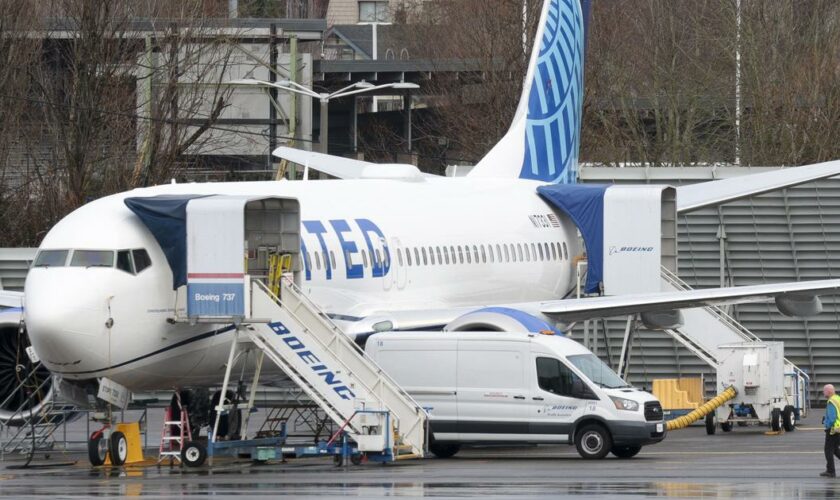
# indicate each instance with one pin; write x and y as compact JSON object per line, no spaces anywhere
{"x":708,"y":407}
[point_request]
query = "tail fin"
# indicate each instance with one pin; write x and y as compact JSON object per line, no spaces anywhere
{"x":543,"y":141}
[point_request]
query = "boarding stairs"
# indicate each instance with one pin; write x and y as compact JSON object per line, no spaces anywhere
{"x":33,"y":431}
{"x":707,"y":328}
{"x":335,"y":373}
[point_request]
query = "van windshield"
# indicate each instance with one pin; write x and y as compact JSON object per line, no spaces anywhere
{"x":597,"y":371}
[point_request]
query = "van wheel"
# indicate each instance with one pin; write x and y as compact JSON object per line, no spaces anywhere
{"x":726,"y":426}
{"x":442,"y":450}
{"x":593,"y":442}
{"x":776,"y":420}
{"x":625,"y":451}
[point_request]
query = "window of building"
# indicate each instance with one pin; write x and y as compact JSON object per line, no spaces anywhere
{"x":374,"y":12}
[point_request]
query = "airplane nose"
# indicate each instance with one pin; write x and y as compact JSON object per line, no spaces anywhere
{"x":66,"y":320}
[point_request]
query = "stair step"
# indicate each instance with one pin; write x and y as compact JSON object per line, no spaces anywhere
{"x":171,"y":438}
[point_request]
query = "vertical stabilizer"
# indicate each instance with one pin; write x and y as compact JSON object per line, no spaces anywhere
{"x":543,"y":141}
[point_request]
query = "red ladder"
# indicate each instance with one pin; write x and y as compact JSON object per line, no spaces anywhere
{"x":171,"y":443}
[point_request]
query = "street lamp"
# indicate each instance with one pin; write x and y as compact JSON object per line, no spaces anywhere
{"x":325,"y":97}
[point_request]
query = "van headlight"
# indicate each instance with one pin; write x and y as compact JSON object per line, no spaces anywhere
{"x":625,"y":404}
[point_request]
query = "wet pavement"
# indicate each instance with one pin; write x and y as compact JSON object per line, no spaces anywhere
{"x":688,"y":464}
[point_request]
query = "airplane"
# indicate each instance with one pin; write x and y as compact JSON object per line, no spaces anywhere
{"x":383,"y":247}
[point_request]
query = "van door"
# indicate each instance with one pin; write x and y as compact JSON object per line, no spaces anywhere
{"x":492,"y":391}
{"x":554,"y":406}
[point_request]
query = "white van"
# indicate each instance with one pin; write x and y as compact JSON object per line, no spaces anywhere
{"x":495,"y":387}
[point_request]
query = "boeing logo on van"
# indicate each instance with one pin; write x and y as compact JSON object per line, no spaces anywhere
{"x":616,"y":250}
{"x":355,"y":259}
{"x":308,"y":357}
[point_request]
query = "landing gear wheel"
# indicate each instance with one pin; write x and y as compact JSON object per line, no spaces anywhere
{"x":194,"y":454}
{"x":442,"y":450}
{"x":593,"y":442}
{"x":726,"y":426}
{"x":118,"y":447}
{"x":97,"y":449}
{"x":776,"y":420}
{"x":625,"y":451}
{"x":789,"y":418}
{"x":710,"y":424}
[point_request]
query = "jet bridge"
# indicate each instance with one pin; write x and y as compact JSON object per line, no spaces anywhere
{"x":221,"y":258}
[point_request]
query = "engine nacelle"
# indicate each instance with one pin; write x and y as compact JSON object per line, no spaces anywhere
{"x":499,"y":319}
{"x":15,"y":402}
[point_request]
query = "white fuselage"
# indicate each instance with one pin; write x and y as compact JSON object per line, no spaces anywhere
{"x":87,"y":322}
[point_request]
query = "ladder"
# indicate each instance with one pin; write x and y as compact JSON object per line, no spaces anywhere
{"x":35,"y":430}
{"x":335,"y":373}
{"x":172,"y":443}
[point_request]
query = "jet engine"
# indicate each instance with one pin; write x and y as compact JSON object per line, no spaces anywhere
{"x":15,"y":365}
{"x":499,"y":319}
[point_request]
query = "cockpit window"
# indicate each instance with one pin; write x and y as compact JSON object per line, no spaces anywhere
{"x":124,"y":261}
{"x":92,"y":258}
{"x":141,"y":260}
{"x":51,"y":258}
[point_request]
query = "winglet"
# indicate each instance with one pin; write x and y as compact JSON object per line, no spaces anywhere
{"x":346,"y":168}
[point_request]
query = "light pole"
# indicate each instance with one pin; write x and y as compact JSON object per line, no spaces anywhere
{"x":325,"y":97}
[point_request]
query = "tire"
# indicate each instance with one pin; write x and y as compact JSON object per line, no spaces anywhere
{"x":97,"y":449}
{"x":230,"y":422}
{"x":593,"y":442}
{"x":710,"y":424}
{"x":118,"y":448}
{"x":193,"y":454}
{"x":789,"y":418}
{"x":726,"y":426}
{"x":776,"y":420}
{"x":356,"y":459}
{"x":444,"y":450}
{"x":625,"y":451}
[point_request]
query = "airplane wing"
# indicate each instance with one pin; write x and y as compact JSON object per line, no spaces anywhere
{"x":794,"y":298}
{"x":346,"y":168}
{"x":711,"y":193}
{"x":596,"y":307}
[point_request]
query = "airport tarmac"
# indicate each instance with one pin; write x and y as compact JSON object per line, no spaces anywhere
{"x":688,"y":464}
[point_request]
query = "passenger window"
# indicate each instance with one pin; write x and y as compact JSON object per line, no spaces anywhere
{"x":431,"y":256}
{"x":377,"y":257}
{"x":565,"y":251}
{"x":460,"y":254}
{"x":527,"y":253}
{"x":553,"y":251}
{"x":408,"y":256}
{"x":141,"y":260}
{"x":399,"y":256}
{"x":545,"y":249}
{"x":425,"y":262}
{"x":542,"y":256}
{"x":534,"y":251}
{"x":483,"y":255}
{"x":51,"y":258}
{"x":556,"y":378}
{"x":519,"y":251}
{"x":439,"y":255}
{"x":498,"y":252}
{"x":446,"y":254}
{"x":364,"y":259}
{"x":317,"y":260}
{"x":124,"y":261}
{"x":417,"y":256}
{"x":332,"y":259}
{"x":92,"y":258}
{"x":490,"y":251}
{"x":467,"y":252}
